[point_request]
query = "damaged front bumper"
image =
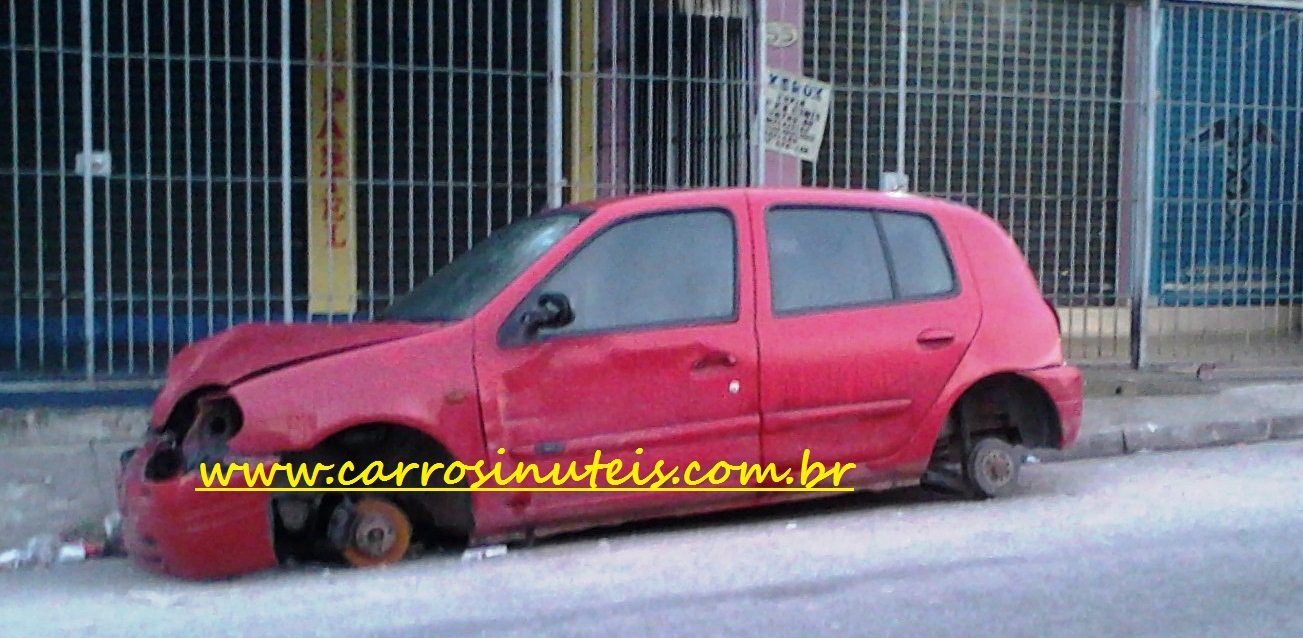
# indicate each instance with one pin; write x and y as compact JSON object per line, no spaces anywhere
{"x":170,"y":528}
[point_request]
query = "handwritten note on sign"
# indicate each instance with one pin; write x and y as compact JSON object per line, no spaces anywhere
{"x":796,"y":114}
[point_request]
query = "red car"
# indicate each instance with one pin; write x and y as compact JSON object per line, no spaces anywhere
{"x":904,"y":334}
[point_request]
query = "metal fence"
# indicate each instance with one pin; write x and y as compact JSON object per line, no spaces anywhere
{"x":173,"y":167}
{"x":164,"y":155}
{"x":1145,"y":156}
{"x":1227,"y":271}
{"x":1013,"y":107}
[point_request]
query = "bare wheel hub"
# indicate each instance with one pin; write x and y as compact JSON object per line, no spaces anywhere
{"x":997,"y":466}
{"x":381,"y":533}
{"x":992,"y":467}
{"x":374,"y":535}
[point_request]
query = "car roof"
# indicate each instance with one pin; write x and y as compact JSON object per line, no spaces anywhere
{"x":906,"y":201}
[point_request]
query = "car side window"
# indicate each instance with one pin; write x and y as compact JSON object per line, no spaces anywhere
{"x":918,"y":258}
{"x":659,"y":269}
{"x":825,"y":258}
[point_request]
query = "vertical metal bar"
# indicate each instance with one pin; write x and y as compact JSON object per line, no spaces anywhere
{"x":1241,"y":203}
{"x":1142,"y":221}
{"x":511,"y":123}
{"x":168,"y":251}
{"x":980,"y":94}
{"x":391,"y":147}
{"x":918,"y":104}
{"x":40,"y":192}
{"x":370,"y":158}
{"x":189,"y":178}
{"x":449,"y":126}
{"x":429,"y":117}
{"x":1296,"y":198}
{"x":1031,"y":106}
{"x":17,"y":237}
{"x":1078,"y":98}
{"x":331,"y":177}
{"x":411,"y":148}
{"x":287,"y":183}
{"x":901,"y":104}
{"x":674,"y":138}
{"x":266,"y":176}
{"x":1098,"y":100}
{"x":489,"y":77}
{"x":208,"y":163}
{"x":108,"y":215}
{"x":997,"y":189}
{"x":884,"y":94}
{"x":648,"y":90}
{"x":129,"y":251}
{"x":248,"y":163}
{"x":1273,"y":203}
{"x":554,"y":132}
{"x":1060,"y":98}
{"x":967,"y":97}
{"x":88,"y":194}
{"x":63,"y":197}
{"x":230,"y":173}
{"x":629,"y":100}
{"x":470,"y":125}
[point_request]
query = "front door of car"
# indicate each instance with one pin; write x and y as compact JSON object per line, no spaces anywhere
{"x":659,"y":362}
{"x":862,"y":319}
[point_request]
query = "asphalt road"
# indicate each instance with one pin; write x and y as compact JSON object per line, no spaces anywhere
{"x":1198,"y":543}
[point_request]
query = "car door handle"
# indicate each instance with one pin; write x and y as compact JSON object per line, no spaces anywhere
{"x":549,"y":447}
{"x":935,"y":337}
{"x":715,"y":360}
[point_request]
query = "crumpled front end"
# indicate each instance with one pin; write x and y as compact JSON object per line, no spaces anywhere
{"x":171,"y":528}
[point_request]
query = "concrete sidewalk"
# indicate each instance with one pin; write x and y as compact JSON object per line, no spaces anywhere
{"x":1235,"y":414}
{"x":57,"y":466}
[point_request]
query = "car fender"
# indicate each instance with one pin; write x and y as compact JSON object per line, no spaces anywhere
{"x":426,"y":383}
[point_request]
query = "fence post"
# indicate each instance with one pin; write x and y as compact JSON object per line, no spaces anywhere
{"x":901,"y":107}
{"x":1143,"y":218}
{"x":88,"y":194}
{"x":287,"y":180}
{"x":554,"y":122}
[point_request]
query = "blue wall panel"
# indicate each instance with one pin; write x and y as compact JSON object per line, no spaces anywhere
{"x":1227,"y":228}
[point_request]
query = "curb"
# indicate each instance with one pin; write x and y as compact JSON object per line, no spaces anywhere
{"x":1130,"y":438}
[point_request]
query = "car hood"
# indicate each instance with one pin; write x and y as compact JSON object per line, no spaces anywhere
{"x":252,"y":349}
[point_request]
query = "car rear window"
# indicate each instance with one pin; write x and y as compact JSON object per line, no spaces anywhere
{"x":918,"y":257}
{"x":824,"y":258}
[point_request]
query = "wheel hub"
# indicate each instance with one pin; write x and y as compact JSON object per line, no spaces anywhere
{"x":997,"y":467}
{"x":380,"y":533}
{"x":374,"y":535}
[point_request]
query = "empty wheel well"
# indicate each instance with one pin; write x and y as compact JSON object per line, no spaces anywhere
{"x":1007,"y":405}
{"x":437,"y":517}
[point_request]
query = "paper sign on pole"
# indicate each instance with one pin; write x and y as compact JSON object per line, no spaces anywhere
{"x":796,"y":113}
{"x":332,"y":240}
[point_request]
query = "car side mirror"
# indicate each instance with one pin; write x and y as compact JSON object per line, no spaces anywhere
{"x":553,"y":311}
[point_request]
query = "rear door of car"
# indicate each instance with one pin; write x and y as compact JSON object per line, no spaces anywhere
{"x":862,"y":316}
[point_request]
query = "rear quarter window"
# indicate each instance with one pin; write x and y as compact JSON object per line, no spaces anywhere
{"x":919,"y":257}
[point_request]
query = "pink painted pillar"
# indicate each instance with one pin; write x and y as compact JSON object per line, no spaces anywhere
{"x":784,"y":170}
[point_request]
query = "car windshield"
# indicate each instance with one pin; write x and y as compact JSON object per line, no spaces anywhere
{"x":462,"y":287}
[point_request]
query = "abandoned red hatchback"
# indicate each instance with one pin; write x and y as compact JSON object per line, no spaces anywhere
{"x":903,"y":334}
